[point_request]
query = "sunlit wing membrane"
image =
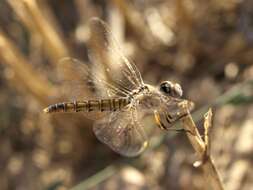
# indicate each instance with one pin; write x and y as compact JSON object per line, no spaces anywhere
{"x":79,"y":81}
{"x":106,"y":54}
{"x":122,"y":132}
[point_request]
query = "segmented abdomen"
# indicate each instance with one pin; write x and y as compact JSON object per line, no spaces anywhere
{"x":89,"y":105}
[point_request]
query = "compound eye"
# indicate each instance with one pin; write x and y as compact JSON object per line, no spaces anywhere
{"x":171,"y":89}
{"x":178,"y":90}
{"x":166,"y":88}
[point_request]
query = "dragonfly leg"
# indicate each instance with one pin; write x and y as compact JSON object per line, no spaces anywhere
{"x":162,"y":126}
{"x":181,"y":130}
{"x":158,"y":121}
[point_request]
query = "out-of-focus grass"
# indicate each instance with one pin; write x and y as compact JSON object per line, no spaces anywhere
{"x":24,"y":73}
{"x":206,"y":46}
{"x":36,"y":17}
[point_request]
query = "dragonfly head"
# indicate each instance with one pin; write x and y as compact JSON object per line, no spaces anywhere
{"x":169,"y":88}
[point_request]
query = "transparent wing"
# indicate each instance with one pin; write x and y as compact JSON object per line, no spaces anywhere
{"x":170,"y":111}
{"x":80,"y":82}
{"x":122,"y":132}
{"x":106,"y":55}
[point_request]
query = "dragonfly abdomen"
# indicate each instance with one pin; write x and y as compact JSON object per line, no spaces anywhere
{"x":89,"y":105}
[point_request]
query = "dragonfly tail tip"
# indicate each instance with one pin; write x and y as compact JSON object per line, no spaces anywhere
{"x":46,"y":110}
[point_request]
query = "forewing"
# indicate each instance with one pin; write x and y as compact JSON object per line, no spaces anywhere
{"x":122,"y":132}
{"x":106,"y":54}
{"x":79,"y":82}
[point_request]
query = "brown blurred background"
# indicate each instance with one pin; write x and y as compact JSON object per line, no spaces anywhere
{"x":206,"y":46}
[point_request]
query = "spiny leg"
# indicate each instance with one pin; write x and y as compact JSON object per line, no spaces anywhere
{"x":168,"y":118}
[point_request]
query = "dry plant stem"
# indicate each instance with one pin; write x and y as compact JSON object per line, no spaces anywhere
{"x":37,"y":22}
{"x":26,"y":76}
{"x":132,"y":16}
{"x":202,"y":149}
{"x":207,"y":127}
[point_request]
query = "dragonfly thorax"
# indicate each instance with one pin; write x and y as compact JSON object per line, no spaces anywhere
{"x":145,"y":89}
{"x":147,"y":97}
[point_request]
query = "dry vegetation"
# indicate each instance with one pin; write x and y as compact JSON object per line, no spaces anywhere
{"x":207,"y":46}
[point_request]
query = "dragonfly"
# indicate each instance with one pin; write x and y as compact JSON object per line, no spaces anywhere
{"x":110,"y":90}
